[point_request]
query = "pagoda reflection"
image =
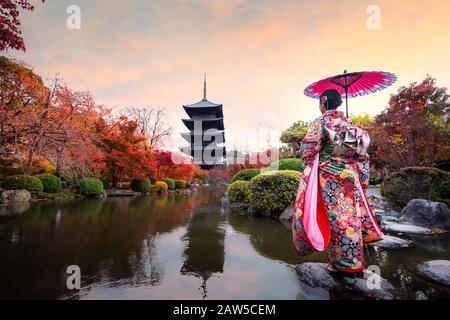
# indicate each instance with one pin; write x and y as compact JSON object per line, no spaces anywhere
{"x":204,"y":252}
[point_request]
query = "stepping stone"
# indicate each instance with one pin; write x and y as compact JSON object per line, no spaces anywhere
{"x":406,"y":228}
{"x":436,"y":270}
{"x":388,"y":219}
{"x":316,"y":275}
{"x":310,"y":293}
{"x":390,"y":242}
{"x":372,"y":286}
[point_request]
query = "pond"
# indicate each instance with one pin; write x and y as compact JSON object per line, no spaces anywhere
{"x":171,"y":247}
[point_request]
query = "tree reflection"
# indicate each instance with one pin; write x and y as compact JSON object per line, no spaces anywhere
{"x":112,"y":240}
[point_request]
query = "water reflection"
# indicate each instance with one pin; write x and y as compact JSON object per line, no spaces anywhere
{"x":174,"y":247}
{"x":111,"y":240}
{"x":204,"y":253}
{"x":270,"y":238}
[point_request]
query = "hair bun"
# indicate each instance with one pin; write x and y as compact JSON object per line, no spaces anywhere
{"x":333,"y":99}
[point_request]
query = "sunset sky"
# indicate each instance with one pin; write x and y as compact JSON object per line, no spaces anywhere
{"x":259,"y":55}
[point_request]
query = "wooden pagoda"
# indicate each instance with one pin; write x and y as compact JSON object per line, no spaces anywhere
{"x":206,"y":134}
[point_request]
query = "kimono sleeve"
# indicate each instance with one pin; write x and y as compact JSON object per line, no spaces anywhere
{"x":313,"y":141}
{"x":363,"y":169}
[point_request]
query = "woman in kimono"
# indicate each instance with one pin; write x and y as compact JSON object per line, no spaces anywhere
{"x":331,"y":209}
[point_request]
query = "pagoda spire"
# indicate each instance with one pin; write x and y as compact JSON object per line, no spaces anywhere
{"x":204,"y":87}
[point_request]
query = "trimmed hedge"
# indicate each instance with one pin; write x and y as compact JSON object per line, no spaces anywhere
{"x":188,"y":184}
{"x":50,"y":182}
{"x":245,"y":175}
{"x":170,"y":183}
{"x":373,"y":181}
{"x":238,"y":192}
{"x":288,"y":164}
{"x":18,"y":182}
{"x":416,"y":183}
{"x":105,"y":184}
{"x":443,"y":189}
{"x":160,"y":186}
{"x":90,"y":186}
{"x":274,"y":191}
{"x":141,"y":185}
{"x":180,"y":184}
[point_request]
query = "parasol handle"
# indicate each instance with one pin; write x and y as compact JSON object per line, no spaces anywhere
{"x":346,"y":94}
{"x":346,"y":103}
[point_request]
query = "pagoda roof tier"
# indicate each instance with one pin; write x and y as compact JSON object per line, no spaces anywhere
{"x":204,"y":103}
{"x":218,"y":135}
{"x":193,"y":152}
{"x":215,"y":123}
{"x":203,"y":110}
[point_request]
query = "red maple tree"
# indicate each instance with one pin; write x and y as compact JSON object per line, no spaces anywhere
{"x":10,"y":33}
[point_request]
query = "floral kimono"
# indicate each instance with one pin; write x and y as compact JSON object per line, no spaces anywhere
{"x":331,"y":209}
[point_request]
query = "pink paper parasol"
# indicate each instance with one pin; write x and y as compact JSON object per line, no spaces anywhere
{"x":352,"y":84}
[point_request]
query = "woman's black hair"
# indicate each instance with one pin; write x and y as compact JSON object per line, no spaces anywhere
{"x":333,"y":101}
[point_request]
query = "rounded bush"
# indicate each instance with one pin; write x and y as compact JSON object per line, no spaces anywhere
{"x":443,"y":189}
{"x":180,"y":184}
{"x":200,"y":176}
{"x":274,"y":191}
{"x":415,"y":183}
{"x":29,"y":183}
{"x":141,"y":185}
{"x":375,"y":180}
{"x":188,"y":184}
{"x":50,"y":182}
{"x":160,"y":186}
{"x":245,"y":175}
{"x":288,"y":164}
{"x":170,"y":183}
{"x":238,"y":192}
{"x":90,"y":186}
{"x":105,"y":184}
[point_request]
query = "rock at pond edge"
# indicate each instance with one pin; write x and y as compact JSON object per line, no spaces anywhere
{"x":426,"y":213}
{"x":436,"y":270}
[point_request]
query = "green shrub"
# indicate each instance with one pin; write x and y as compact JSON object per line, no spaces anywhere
{"x":416,"y":183}
{"x":50,"y":182}
{"x":443,"y":189}
{"x":188,"y":184}
{"x":238,"y":192}
{"x":200,"y":176}
{"x":180,"y":184}
{"x":141,"y":185}
{"x":30,"y":183}
{"x":160,"y":186}
{"x":288,"y":164}
{"x":375,"y":180}
{"x":152,"y":179}
{"x":105,"y":184}
{"x":90,"y":186}
{"x":274,"y":191}
{"x":170,"y":183}
{"x":245,"y":175}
